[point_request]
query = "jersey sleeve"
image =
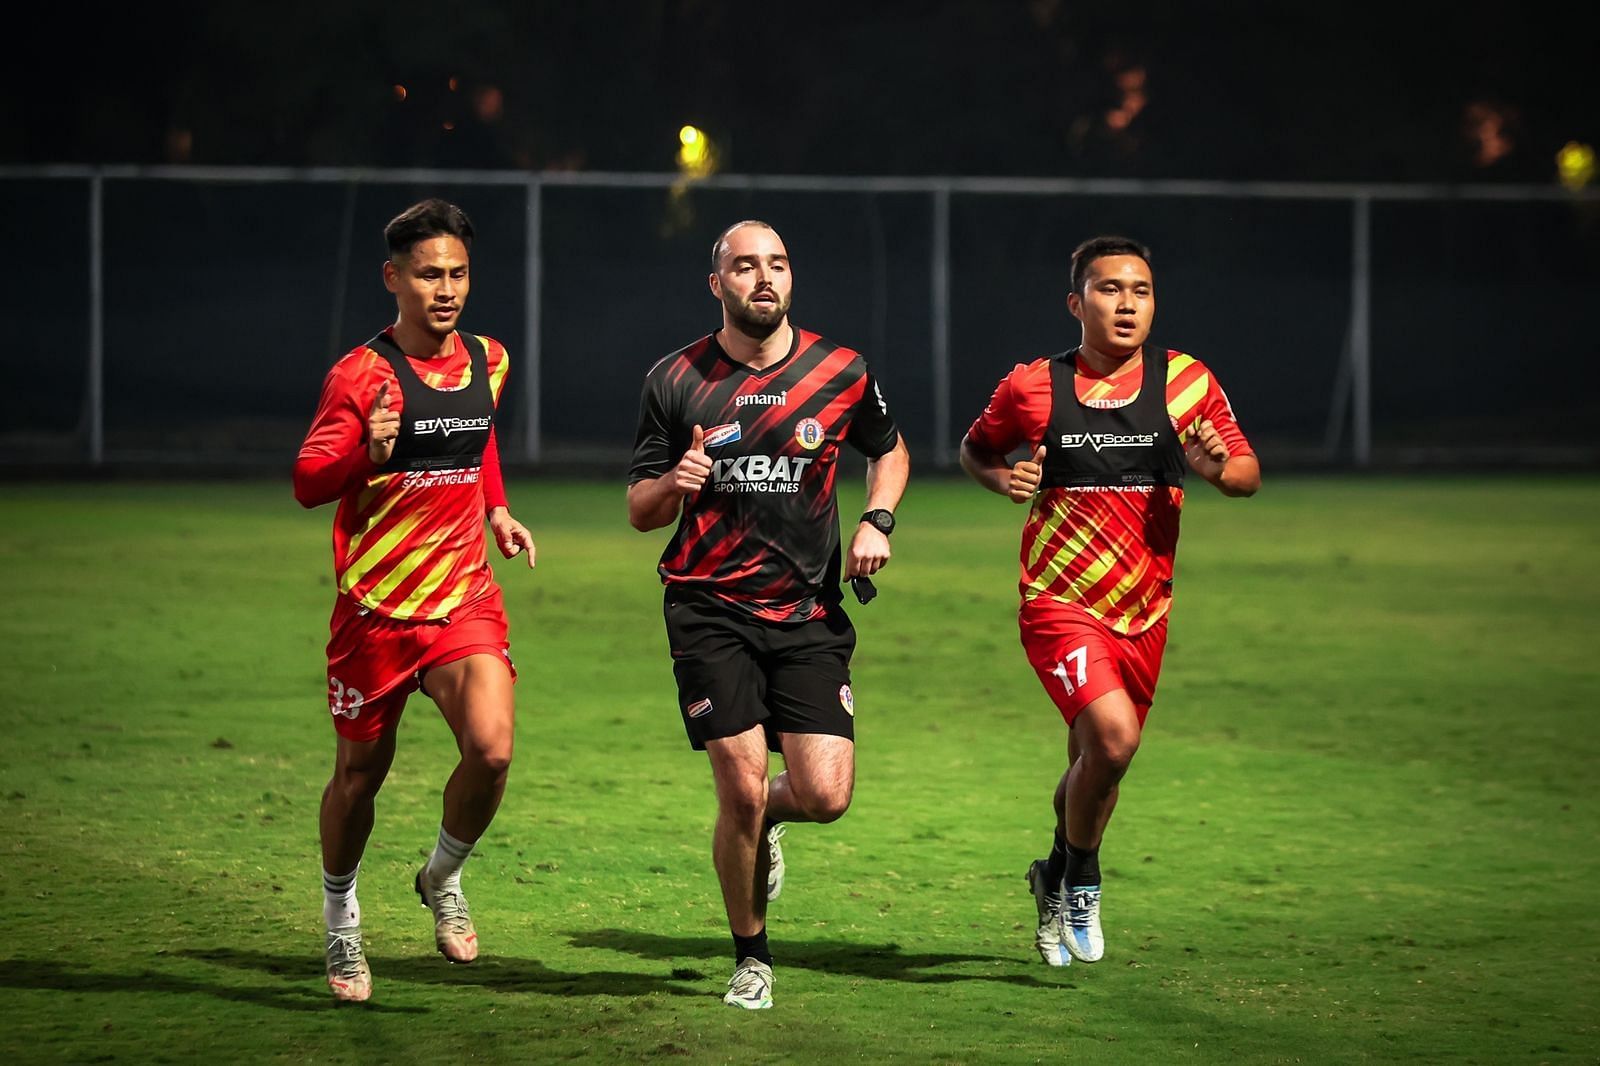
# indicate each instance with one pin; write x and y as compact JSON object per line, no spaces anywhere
{"x":999,"y":429}
{"x":494,"y":484}
{"x":499,"y":363}
{"x":872,"y":431}
{"x":1203,"y":399}
{"x":333,"y":457}
{"x":652,"y":443}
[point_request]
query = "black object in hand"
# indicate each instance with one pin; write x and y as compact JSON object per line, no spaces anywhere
{"x":863,"y":588}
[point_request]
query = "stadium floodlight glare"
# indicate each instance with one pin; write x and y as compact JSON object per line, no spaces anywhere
{"x":1575,"y":164}
{"x":696,"y":154}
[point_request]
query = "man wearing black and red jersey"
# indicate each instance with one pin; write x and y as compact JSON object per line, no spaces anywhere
{"x":738,"y":442}
{"x":403,"y":439}
{"x":1111,"y":426}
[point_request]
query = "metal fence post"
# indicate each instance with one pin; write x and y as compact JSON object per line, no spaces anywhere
{"x":97,"y":321}
{"x":940,"y":303}
{"x":531,"y":309}
{"x":1361,"y":334}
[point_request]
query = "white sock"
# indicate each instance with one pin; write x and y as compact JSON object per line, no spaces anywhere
{"x":444,"y":865}
{"x":339,"y":907}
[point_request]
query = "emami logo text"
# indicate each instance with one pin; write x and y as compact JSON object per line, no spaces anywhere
{"x":763,"y":399}
{"x":424,"y":426}
{"x":1108,"y":440}
{"x":759,"y":473}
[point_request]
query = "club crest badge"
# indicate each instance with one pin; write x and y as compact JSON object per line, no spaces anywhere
{"x":726,"y":433}
{"x":810,"y":434}
{"x":847,"y":700}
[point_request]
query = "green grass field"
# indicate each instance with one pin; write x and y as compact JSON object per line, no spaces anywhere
{"x":1362,"y":828}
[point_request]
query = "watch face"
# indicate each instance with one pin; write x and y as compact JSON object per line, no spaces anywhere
{"x":883,"y":520}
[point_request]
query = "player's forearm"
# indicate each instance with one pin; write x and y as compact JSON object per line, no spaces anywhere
{"x":321,"y":478}
{"x":1240,"y":476}
{"x":887,"y":476}
{"x":653,"y":503}
{"x":986,"y":468}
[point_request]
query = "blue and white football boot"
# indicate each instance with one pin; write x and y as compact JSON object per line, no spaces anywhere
{"x":1080,"y":920}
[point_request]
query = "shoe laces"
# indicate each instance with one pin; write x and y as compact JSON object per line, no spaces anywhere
{"x":749,"y":980}
{"x":1083,"y":907}
{"x":775,"y":834}
{"x":450,"y":910}
{"x":345,"y":954}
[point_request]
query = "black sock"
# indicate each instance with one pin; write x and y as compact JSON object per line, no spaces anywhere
{"x":1083,"y":867}
{"x":752,"y":947}
{"x":1055,"y":867}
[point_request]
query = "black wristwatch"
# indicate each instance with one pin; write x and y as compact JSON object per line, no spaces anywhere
{"x":881,"y":520}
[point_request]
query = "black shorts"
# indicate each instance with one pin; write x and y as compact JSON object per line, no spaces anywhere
{"x":735,"y":671}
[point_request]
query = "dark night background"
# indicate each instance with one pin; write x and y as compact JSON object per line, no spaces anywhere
{"x":1163,"y":89}
{"x":1471,"y":95}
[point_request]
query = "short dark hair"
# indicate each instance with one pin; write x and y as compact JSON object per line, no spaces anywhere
{"x":722,"y":238}
{"x":420,"y":221}
{"x":1098,"y":248}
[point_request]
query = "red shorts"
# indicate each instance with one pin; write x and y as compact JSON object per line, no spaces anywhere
{"x":1079,"y":659}
{"x":375,"y":662}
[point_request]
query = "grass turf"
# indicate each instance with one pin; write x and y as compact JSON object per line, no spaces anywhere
{"x":1361,"y":828}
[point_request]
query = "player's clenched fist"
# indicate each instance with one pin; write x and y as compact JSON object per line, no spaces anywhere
{"x":383,"y":427}
{"x":1205,"y":447}
{"x":1025,"y":477}
{"x":869,"y":552}
{"x":695,"y":466}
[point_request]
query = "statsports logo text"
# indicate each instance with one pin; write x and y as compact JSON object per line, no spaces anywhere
{"x":1098,"y":441}
{"x":424,"y":426}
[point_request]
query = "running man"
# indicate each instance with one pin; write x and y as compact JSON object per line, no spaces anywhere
{"x":403,"y":438}
{"x":1109,"y":427}
{"x":738,"y":442}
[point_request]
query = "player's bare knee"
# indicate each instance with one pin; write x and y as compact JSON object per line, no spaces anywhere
{"x":820,"y":801}
{"x":489,"y":759}
{"x":355,"y":784}
{"x":1114,"y":753}
{"x":742,"y":797}
{"x":829,"y":806}
{"x":745,"y":808}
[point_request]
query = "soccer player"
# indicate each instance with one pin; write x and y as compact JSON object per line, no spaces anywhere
{"x":404,"y":439}
{"x":1109,"y":427}
{"x":738,"y":442}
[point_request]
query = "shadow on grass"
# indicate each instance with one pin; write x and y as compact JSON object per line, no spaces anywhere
{"x":496,"y":973}
{"x":61,"y":977}
{"x":886,"y":962}
{"x":297,"y":981}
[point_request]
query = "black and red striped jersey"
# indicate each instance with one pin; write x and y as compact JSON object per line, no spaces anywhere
{"x":762,"y":534}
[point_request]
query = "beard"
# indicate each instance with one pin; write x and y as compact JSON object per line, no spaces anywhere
{"x":757,"y":323}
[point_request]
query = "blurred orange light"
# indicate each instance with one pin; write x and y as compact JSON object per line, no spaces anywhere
{"x":180,"y":145}
{"x":490,"y":103}
{"x":399,"y":93}
{"x":1490,"y":129}
{"x":454,"y":84}
{"x":448,"y":126}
